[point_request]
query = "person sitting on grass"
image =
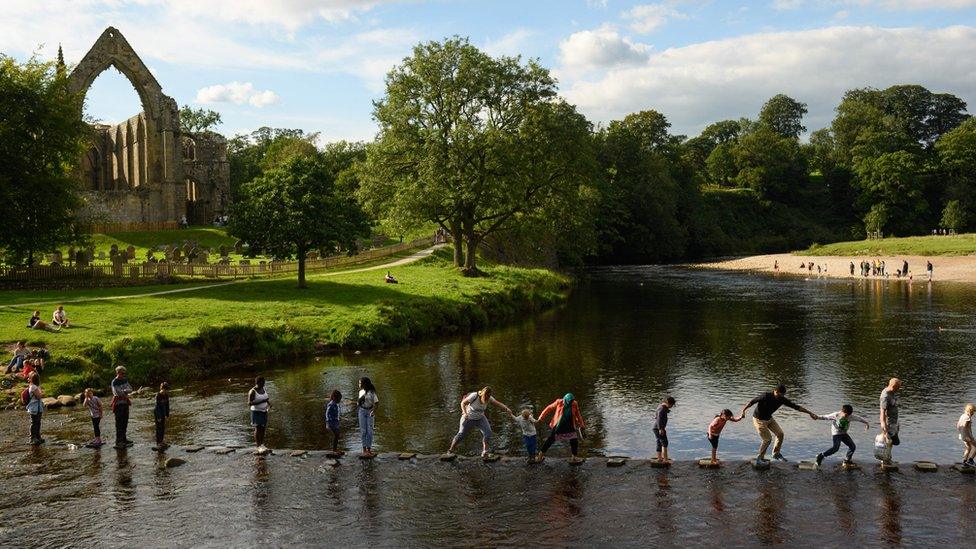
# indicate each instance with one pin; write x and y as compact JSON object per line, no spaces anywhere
{"x":389,"y":278}
{"x":60,"y":318}
{"x":16,"y":363}
{"x":840,"y":422}
{"x":35,"y":322}
{"x":38,"y":357}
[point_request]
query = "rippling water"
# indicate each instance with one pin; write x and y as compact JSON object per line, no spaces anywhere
{"x":626,"y":338}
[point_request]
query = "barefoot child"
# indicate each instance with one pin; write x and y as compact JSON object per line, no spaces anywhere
{"x":160,"y":413}
{"x":715,"y":429}
{"x":94,"y":405}
{"x":840,"y":422}
{"x":965,"y":428}
{"x":332,"y":412}
{"x":661,"y":428}
{"x":530,"y":437}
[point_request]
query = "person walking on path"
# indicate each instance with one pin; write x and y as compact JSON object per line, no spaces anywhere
{"x":120,"y":407}
{"x":715,"y":429}
{"x":840,"y":423}
{"x":965,"y":428}
{"x":661,"y":428}
{"x":567,"y":424}
{"x":259,"y":403}
{"x":35,"y":407}
{"x":160,"y":413}
{"x":473,"y":408}
{"x":368,"y":402}
{"x":762,"y":418}
{"x":889,"y":413}
{"x":94,"y":405}
{"x":333,"y":410}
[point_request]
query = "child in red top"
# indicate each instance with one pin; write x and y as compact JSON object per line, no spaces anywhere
{"x":715,"y":429}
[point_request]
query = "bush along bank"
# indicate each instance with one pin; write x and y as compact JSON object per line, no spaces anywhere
{"x":506,"y":295}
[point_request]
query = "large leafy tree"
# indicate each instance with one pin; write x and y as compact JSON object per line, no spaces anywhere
{"x":246,"y":153}
{"x":42,"y":139}
{"x":770,"y":164}
{"x":783,"y":115}
{"x":198,"y":120}
{"x":295,"y":208}
{"x":473,"y":143}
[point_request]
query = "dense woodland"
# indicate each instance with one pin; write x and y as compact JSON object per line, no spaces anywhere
{"x":485,"y":147}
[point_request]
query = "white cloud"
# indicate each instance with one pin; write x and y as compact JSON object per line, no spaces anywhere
{"x":886,"y":4}
{"x":289,"y":14}
{"x":646,"y":18}
{"x":709,"y":81}
{"x":239,"y":93}
{"x":600,"y":48}
{"x":513,"y":43}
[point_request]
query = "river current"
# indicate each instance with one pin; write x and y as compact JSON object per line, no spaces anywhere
{"x":625,"y":339}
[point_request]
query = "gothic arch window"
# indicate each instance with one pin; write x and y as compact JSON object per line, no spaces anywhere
{"x":189,"y":149}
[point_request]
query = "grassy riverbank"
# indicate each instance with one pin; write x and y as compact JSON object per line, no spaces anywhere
{"x":962,"y":244}
{"x":192,"y":334}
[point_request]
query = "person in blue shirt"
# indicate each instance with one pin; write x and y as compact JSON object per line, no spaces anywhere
{"x":661,"y":428}
{"x":332,"y":413}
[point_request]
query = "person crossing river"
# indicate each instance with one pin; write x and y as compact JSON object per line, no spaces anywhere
{"x":766,"y":405}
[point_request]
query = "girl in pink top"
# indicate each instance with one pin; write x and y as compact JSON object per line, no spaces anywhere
{"x":715,"y":429}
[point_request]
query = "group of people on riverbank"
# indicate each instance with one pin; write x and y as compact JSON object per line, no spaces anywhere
{"x":565,"y":420}
{"x":879,"y":268}
{"x":25,"y":361}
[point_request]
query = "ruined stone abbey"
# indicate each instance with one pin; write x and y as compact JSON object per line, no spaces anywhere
{"x":145,"y":170}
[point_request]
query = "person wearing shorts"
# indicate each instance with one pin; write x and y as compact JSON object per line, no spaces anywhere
{"x":661,"y":428}
{"x":715,"y":429}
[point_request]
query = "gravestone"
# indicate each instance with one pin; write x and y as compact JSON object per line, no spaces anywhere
{"x":113,"y":250}
{"x":101,"y":255}
{"x":176,"y":255}
{"x":224,"y":250}
{"x":130,"y":252}
{"x":238,"y":247}
{"x":150,"y":256}
{"x":81,"y":258}
{"x":57,"y":257}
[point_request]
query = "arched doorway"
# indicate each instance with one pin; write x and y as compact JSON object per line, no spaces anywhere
{"x":199,"y":208}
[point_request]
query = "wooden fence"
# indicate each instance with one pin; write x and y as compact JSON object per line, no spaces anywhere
{"x":145,"y":273}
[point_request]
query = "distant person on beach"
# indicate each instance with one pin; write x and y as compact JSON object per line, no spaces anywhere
{"x":333,"y":411}
{"x":567,"y":424}
{"x":852,"y":268}
{"x":259,"y":403}
{"x":889,"y":413}
{"x":775,"y":265}
{"x":661,"y":428}
{"x":473,"y":408}
{"x":904,"y":267}
{"x":840,"y":422}
{"x":530,"y":436}
{"x":928,"y":269}
{"x":94,"y":405}
{"x":60,"y":318}
{"x":762,"y":418}
{"x":965,"y":428}
{"x":160,"y":414}
{"x":715,"y":429}
{"x":35,"y":407}
{"x":883,"y":267}
{"x":367,"y":401}
{"x":120,"y":407}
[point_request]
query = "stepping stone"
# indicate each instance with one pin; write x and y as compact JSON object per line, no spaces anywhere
{"x":576,"y":461}
{"x":491,"y":458}
{"x":223,"y":451}
{"x":334,"y":455}
{"x":193,"y":449}
{"x":761,"y":465}
{"x":616,"y":462}
{"x":448,"y":457}
{"x":889,"y":467}
{"x":94,"y":446}
{"x":807,"y":466}
{"x":159,"y":449}
{"x":406,"y":456}
{"x":926,"y":466}
{"x":661,"y":464}
{"x":332,"y":462}
{"x":174,"y":462}
{"x":367,"y":456}
{"x":964,"y":469}
{"x":850,"y":466}
{"x":298,"y":453}
{"x":706,"y":463}
{"x":265,"y":452}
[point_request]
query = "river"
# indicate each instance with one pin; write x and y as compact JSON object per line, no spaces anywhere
{"x":625,"y":339}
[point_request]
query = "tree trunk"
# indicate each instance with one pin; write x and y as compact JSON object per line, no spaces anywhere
{"x":472,"y":241}
{"x":301,"y":267}
{"x":458,"y":243}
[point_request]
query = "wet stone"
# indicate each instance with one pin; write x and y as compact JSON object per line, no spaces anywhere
{"x":926,"y":466}
{"x":964,"y":469}
{"x":760,"y":465}
{"x":448,"y":457}
{"x":406,"y":456}
{"x":576,"y":461}
{"x":334,"y":455}
{"x":192,"y":449}
{"x":807,"y":466}
{"x":223,"y":451}
{"x":706,"y":463}
{"x":367,"y":456}
{"x":298,"y":453}
{"x":491,"y":458}
{"x":889,"y":467}
{"x":264,"y":452}
{"x":332,"y":462}
{"x":850,"y":466}
{"x":616,"y":462}
{"x":661,"y":464}
{"x":174,"y":462}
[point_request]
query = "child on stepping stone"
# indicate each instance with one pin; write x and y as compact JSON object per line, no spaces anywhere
{"x":661,"y":428}
{"x":94,"y":405}
{"x":715,"y":429}
{"x":965,"y":428}
{"x":160,"y":413}
{"x":840,"y":422}
{"x":530,"y":437}
{"x":332,"y":412}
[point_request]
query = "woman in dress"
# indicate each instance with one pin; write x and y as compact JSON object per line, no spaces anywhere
{"x":567,"y":424}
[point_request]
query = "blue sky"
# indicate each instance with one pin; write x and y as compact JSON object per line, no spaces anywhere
{"x":318,"y":64}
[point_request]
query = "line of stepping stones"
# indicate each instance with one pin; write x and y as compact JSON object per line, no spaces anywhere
{"x":332,"y":459}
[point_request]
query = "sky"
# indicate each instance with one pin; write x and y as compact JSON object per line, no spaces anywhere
{"x":319,"y":64}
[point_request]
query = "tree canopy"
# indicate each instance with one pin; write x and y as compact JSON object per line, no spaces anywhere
{"x":198,"y":120}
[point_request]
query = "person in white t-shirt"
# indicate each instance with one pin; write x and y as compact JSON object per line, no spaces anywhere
{"x":367,"y":414}
{"x":530,"y":436}
{"x":473,"y":408}
{"x":965,"y":428}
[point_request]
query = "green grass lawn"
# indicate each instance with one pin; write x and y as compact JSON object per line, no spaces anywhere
{"x":962,"y":244}
{"x":350,"y":310}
